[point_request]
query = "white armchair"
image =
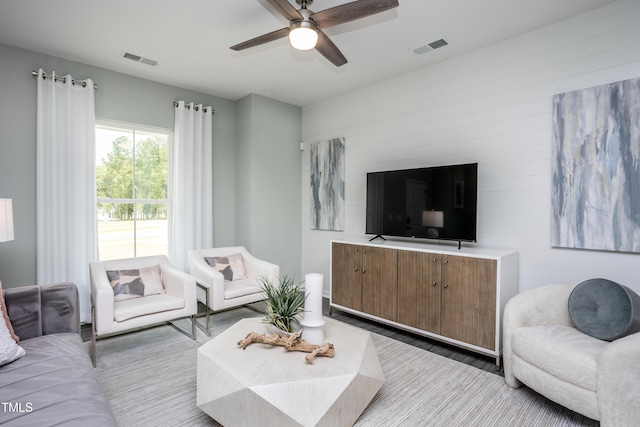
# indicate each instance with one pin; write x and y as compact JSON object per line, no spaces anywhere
{"x":118,"y":309}
{"x":217,"y":293}
{"x":543,"y":349}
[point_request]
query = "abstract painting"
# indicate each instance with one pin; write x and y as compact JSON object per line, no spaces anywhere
{"x":327,"y":185}
{"x":596,"y":168}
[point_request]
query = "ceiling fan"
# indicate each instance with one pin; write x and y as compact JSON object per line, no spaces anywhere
{"x":305,"y":27}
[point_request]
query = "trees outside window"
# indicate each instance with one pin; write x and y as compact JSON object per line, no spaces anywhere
{"x":132,"y":191}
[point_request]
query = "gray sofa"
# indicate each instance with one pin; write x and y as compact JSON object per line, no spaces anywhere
{"x":54,"y":384}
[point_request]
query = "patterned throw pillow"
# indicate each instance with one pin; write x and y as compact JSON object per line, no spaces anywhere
{"x":231,"y":266}
{"x":5,"y":314}
{"x":9,"y":350}
{"x":135,"y":283}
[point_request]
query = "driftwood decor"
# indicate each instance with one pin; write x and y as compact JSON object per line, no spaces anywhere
{"x":291,"y":342}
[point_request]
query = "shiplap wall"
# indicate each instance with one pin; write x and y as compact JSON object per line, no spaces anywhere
{"x":492,"y":106}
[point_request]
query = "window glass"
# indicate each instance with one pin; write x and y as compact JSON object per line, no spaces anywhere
{"x":131,"y":191}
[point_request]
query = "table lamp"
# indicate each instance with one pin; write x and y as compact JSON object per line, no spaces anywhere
{"x":433,"y":220}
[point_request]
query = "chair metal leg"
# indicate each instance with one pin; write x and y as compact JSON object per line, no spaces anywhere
{"x":193,"y":327}
{"x":94,"y":356}
{"x":207,"y":327}
{"x":191,"y":334}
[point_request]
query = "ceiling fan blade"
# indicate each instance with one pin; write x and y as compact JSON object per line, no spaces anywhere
{"x":329,"y":50}
{"x":351,"y":11}
{"x":285,"y":9}
{"x":265,"y":38}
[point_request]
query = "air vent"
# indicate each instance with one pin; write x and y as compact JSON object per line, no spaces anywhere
{"x":429,"y":47}
{"x":138,"y":58}
{"x":149,"y":61}
{"x":438,"y":43}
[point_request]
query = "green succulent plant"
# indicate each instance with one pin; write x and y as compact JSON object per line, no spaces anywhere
{"x":284,"y":301}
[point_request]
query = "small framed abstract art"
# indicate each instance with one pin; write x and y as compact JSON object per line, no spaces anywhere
{"x":595,"y":168}
{"x":327,"y":185}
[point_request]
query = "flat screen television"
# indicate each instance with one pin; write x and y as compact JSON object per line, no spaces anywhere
{"x":428,"y":203}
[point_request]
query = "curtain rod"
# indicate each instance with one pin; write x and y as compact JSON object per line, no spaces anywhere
{"x":187,"y":106}
{"x":64,"y":79}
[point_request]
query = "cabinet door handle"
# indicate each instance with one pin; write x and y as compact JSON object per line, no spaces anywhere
{"x":446,"y":286}
{"x":356,"y":268}
{"x":435,"y":283}
{"x":364,"y":260}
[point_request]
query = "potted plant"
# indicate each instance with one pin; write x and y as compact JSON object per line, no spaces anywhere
{"x":284,"y":302}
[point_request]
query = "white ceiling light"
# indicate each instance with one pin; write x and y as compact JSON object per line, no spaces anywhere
{"x":303,"y":35}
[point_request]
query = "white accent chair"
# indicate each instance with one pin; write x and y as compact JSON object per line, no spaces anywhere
{"x":110,"y":317}
{"x":543,"y":349}
{"x":216,"y":293}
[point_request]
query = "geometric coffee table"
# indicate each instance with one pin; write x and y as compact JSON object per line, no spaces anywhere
{"x":267,"y":385}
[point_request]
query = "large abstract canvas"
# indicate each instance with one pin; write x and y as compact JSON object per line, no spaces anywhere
{"x":596,"y":168}
{"x":327,"y":185}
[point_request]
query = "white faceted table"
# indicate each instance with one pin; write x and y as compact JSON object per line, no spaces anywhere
{"x":266,"y":385}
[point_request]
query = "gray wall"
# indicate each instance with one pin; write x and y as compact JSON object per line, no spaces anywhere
{"x":129,"y":99}
{"x":268,"y":196}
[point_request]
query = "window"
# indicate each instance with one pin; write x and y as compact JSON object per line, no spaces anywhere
{"x":132,"y":178}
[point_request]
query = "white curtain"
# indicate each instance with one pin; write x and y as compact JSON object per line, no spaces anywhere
{"x":65,"y":184}
{"x":191,"y":224}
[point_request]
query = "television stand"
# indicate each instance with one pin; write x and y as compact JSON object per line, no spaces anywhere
{"x":393,"y":284}
{"x":377,"y":236}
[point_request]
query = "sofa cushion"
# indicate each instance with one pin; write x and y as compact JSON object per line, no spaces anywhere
{"x":128,"y":309}
{"x":53,"y":384}
{"x":562,"y":351}
{"x":604,"y":309}
{"x":240,"y":288}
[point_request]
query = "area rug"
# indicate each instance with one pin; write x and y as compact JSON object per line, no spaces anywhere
{"x":149,"y":377}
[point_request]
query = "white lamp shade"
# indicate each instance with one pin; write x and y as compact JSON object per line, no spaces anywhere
{"x":303,"y":37}
{"x":6,"y":220}
{"x":433,"y":219}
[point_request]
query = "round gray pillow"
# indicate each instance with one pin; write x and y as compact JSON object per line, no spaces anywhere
{"x":604,"y":309}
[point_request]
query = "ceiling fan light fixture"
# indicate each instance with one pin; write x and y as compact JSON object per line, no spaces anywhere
{"x":303,"y":35}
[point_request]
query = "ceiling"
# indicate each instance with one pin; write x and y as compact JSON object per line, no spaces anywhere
{"x":190,"y":39}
